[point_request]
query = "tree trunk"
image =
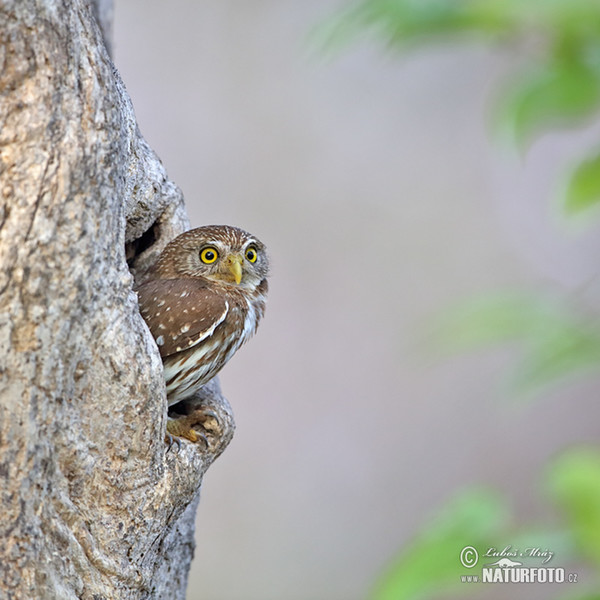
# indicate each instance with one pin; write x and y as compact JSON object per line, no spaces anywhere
{"x":93,"y":504}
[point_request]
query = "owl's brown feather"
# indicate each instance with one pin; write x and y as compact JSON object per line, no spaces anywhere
{"x":180,"y":312}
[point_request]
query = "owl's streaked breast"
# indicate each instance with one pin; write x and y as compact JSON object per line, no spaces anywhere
{"x":186,"y":371}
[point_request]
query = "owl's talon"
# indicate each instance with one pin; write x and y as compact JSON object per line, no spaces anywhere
{"x":188,"y":427}
{"x":172,"y":439}
{"x":204,"y":416}
{"x":203,"y":438}
{"x":182,"y":428}
{"x":211,"y":414}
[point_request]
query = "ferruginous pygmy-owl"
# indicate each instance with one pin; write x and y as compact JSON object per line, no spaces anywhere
{"x":203,"y":300}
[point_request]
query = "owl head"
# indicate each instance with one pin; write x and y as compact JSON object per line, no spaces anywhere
{"x":219,"y":253}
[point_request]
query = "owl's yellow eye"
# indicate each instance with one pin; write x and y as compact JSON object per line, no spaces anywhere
{"x":209,"y":255}
{"x":251,"y":254}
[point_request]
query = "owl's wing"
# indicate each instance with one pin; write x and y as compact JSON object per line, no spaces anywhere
{"x":180,"y":312}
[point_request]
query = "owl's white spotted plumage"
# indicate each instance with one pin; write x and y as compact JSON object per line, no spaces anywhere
{"x":204,"y":298}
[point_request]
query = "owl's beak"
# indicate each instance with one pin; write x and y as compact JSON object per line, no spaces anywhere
{"x":235,"y":263}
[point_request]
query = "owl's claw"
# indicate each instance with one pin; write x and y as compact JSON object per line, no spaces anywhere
{"x":185,"y":426}
{"x":208,"y":414}
{"x":179,"y":428}
{"x":203,"y":438}
{"x":172,"y":439}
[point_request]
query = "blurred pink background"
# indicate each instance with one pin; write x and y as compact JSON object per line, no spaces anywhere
{"x":372,"y":179}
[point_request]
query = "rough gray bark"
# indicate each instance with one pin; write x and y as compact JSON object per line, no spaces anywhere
{"x":103,"y":11}
{"x":92,"y":504}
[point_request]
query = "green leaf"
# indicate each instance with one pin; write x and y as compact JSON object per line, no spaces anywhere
{"x":583,"y":188}
{"x":564,"y":349}
{"x":554,"y":341}
{"x":432,"y":562}
{"x":395,"y":22}
{"x":574,"y":481}
{"x":489,"y":319}
{"x":550,"y":95}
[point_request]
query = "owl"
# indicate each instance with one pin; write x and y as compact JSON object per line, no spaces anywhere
{"x":203,"y":299}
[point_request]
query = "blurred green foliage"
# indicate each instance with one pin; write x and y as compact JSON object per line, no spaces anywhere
{"x":583,"y":190}
{"x":557,"y":84}
{"x":430,"y":567}
{"x":398,"y":21}
{"x":559,"y":92}
{"x":431,"y":564}
{"x":554,"y":341}
{"x":574,"y":482}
